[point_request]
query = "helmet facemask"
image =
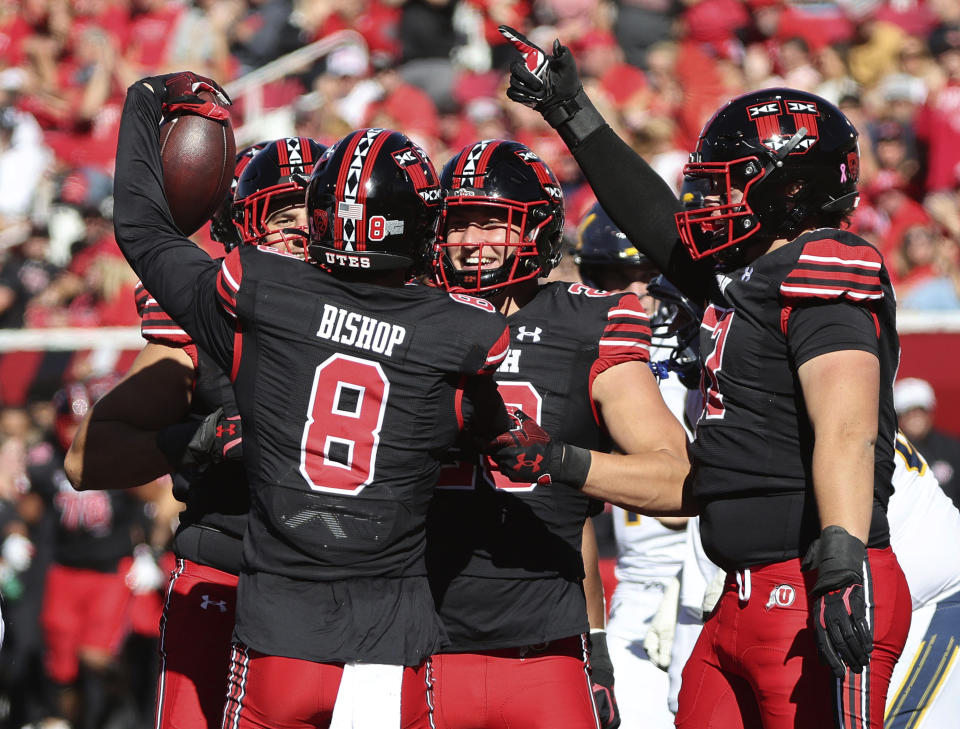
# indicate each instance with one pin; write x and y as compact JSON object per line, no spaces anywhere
{"x":717,"y":210}
{"x":514,"y":232}
{"x":258,"y":208}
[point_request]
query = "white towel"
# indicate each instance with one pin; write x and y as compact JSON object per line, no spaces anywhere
{"x":369,"y":697}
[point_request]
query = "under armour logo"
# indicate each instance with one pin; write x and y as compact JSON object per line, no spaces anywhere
{"x":522,"y":333}
{"x":226,"y":430}
{"x":207,"y":602}
{"x":781,"y":596}
{"x":747,"y":273}
{"x":533,"y":465}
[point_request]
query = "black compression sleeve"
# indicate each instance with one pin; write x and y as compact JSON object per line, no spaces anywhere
{"x":180,"y":275}
{"x":642,"y":205}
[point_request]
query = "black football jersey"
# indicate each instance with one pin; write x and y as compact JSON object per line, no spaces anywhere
{"x":93,"y":528}
{"x":504,"y":558}
{"x":348,"y":393}
{"x":827,"y":290}
{"x":217,"y":497}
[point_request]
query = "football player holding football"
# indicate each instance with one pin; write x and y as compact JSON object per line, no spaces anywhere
{"x":794,"y":449}
{"x":505,"y":558}
{"x":350,"y":385}
{"x":175,"y":411}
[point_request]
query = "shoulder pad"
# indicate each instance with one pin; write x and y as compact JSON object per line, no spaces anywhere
{"x":155,"y":324}
{"x":230,"y":278}
{"x":140,"y":297}
{"x":830,"y":269}
{"x":627,"y":332}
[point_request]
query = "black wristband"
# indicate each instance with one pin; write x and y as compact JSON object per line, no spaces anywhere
{"x":579,"y":120}
{"x":838,"y":557}
{"x":574,"y":466}
{"x":174,"y":439}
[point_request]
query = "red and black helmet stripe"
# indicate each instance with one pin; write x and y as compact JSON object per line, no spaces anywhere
{"x":472,"y":166}
{"x":356,"y":166}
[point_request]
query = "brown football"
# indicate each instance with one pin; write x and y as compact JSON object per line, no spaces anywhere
{"x":198,"y":158}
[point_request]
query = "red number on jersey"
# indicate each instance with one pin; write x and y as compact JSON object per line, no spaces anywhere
{"x":473,"y":301}
{"x":579,"y":288}
{"x":340,"y":438}
{"x":522,"y":395}
{"x":90,"y":510}
{"x":718,"y":321}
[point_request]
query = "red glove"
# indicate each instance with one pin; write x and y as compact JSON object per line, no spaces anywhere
{"x":527,"y":454}
{"x":180,"y":91}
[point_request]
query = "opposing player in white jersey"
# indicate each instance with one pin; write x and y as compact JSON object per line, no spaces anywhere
{"x":649,"y":550}
{"x":925,"y":686}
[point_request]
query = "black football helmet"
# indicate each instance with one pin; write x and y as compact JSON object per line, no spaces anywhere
{"x":372,"y":203}
{"x":222,"y":228}
{"x":676,"y":324}
{"x":273,"y":179}
{"x":768,"y":165}
{"x":504,"y":181}
{"x":602,"y":246}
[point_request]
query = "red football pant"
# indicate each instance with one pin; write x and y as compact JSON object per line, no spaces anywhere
{"x":83,"y":609}
{"x":273,"y":692}
{"x":538,"y":687}
{"x":195,"y":637}
{"x":755,"y":665}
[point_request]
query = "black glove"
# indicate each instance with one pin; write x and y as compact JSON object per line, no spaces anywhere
{"x":527,"y":454}
{"x":213,"y":440}
{"x":844,"y":638}
{"x":601,"y":679}
{"x":179,"y":92}
{"x":551,"y":85}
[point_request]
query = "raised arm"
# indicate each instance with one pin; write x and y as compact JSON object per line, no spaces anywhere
{"x":116,"y":444}
{"x":637,"y":199}
{"x":181,"y":276}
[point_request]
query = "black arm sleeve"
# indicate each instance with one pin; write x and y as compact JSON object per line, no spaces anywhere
{"x":642,"y":205}
{"x":831,"y":327}
{"x":180,"y":275}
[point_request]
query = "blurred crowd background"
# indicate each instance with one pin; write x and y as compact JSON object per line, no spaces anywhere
{"x":435,"y":69}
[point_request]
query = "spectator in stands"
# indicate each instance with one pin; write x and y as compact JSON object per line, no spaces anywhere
{"x":25,"y":273}
{"x":915,"y":403}
{"x":643,"y":23}
{"x":265,"y":33}
{"x":936,"y":122}
{"x":23,"y":161}
{"x":926,"y":267}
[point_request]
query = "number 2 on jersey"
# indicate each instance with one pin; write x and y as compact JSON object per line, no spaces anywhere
{"x":521,"y":395}
{"x":462,"y":476}
{"x":339,"y":447}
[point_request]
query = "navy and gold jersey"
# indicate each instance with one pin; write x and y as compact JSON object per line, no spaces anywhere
{"x":826,"y":291}
{"x":216,"y":497}
{"x":504,"y":558}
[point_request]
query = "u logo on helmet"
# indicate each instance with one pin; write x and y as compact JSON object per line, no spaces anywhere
{"x":774,"y":133}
